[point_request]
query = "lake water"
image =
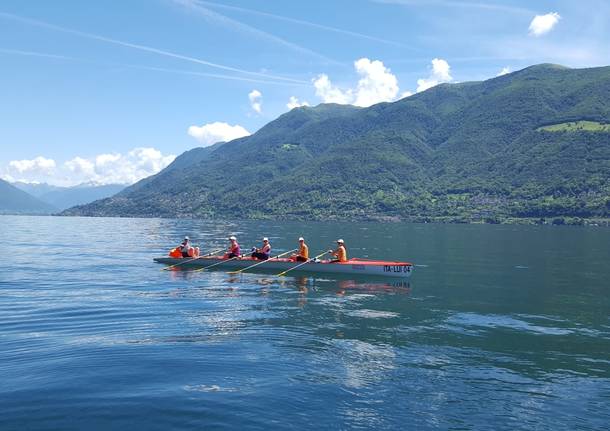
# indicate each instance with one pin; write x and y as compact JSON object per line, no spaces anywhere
{"x":500,"y":327}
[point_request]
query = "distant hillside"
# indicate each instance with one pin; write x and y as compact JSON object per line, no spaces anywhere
{"x":35,"y":189}
{"x":15,"y":201}
{"x":459,"y":152}
{"x":67,"y":197}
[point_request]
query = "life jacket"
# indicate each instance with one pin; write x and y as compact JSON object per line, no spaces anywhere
{"x":175,"y":252}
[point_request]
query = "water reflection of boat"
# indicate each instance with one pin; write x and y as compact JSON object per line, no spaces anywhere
{"x":338,"y":282}
{"x":352,"y":284}
{"x":354,"y":267}
{"x":359,"y":285}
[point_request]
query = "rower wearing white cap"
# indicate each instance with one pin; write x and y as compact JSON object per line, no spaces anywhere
{"x":187,"y":249}
{"x":264,"y":252}
{"x":234,"y":251}
{"x":340,"y":253}
{"x":303,"y":254}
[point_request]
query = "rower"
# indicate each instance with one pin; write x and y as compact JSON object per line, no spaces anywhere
{"x":303,"y":254}
{"x":186,"y":249}
{"x":340,"y":253}
{"x":264,"y":252}
{"x":234,"y":251}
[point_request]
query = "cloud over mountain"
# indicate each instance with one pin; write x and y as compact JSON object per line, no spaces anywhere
{"x":441,"y":72}
{"x":294,"y":102}
{"x":107,"y":168}
{"x":376,"y":84}
{"x":210,"y":133}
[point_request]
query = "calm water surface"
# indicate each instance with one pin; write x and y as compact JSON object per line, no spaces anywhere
{"x":500,"y":327}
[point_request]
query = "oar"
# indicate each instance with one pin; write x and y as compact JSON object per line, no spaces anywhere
{"x":260,"y":263}
{"x":217,"y":263}
{"x":281,"y":274}
{"x":190,"y":260}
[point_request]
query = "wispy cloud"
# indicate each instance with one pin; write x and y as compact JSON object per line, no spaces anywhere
{"x":152,"y":68}
{"x":35,"y":54}
{"x":144,"y":48}
{"x":460,"y":4}
{"x":302,"y":22}
{"x":217,"y":76}
{"x":239,"y":26}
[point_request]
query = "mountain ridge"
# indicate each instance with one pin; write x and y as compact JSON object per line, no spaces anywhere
{"x":63,"y":197}
{"x":458,"y":152}
{"x":16,"y":201}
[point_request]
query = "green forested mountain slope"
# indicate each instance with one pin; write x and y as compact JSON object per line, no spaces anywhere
{"x":468,"y":151}
{"x":15,"y":201}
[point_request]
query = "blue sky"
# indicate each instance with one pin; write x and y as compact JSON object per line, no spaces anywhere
{"x":111,"y":91}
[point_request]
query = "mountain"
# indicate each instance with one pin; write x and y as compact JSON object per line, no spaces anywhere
{"x":15,"y":201}
{"x":35,"y":189}
{"x":66,"y":197}
{"x":509,"y":147}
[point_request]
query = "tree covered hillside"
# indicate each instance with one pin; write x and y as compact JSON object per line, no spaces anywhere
{"x":461,"y":152}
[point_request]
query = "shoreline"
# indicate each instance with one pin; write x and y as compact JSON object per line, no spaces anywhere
{"x":527,"y":221}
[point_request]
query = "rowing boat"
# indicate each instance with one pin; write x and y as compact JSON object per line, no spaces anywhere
{"x":353,"y":266}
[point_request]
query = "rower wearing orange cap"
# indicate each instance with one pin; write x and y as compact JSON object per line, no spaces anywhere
{"x":340,"y":253}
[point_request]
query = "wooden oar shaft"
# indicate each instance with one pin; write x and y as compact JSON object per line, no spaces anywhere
{"x":260,"y":263}
{"x":295,"y":267}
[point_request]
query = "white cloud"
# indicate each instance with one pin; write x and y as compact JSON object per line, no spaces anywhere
{"x":376,"y":84}
{"x":441,"y":72}
{"x":405,"y":94}
{"x":294,"y":103}
{"x":39,"y":164}
{"x":504,"y":71}
{"x":115,"y":168}
{"x":211,"y":133}
{"x":542,"y":24}
{"x":326,"y":91}
{"x":80,"y":167}
{"x":256,"y":103}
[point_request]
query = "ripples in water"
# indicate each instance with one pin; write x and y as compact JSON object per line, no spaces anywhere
{"x":105,"y":340}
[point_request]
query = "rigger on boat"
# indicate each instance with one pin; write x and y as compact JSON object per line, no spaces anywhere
{"x":261,"y":260}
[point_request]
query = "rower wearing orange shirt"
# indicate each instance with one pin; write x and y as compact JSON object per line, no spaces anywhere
{"x":340,"y":253}
{"x":303,"y":254}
